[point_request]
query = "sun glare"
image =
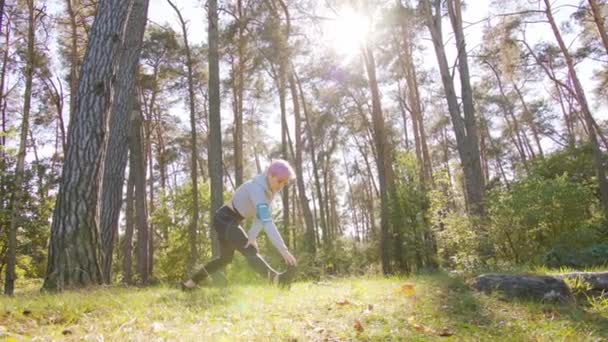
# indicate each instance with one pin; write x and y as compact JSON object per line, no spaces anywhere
{"x":346,"y":33}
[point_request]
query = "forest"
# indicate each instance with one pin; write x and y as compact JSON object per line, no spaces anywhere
{"x":430,"y":139}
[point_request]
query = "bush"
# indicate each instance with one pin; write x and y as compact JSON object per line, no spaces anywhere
{"x":540,"y":214}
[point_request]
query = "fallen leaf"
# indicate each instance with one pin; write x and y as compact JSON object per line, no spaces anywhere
{"x":419,"y":327}
{"x":445,"y":332}
{"x":358,"y":326}
{"x":343,"y":302}
{"x":408,"y":289}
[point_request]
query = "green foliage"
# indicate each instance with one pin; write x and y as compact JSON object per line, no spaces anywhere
{"x":538,"y":214}
{"x":578,"y":286}
{"x":550,"y":216}
{"x":414,"y":244}
{"x":172,"y":219}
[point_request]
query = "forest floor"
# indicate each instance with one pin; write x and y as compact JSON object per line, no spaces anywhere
{"x":437,"y":307}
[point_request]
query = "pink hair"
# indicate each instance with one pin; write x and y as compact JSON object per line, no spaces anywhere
{"x":280,"y":169}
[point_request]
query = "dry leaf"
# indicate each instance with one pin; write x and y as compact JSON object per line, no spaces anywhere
{"x":358,"y":326}
{"x":408,"y":289}
{"x":343,"y":302}
{"x":445,"y":332}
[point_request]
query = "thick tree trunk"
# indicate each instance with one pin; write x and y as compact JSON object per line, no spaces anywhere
{"x":472,"y":170}
{"x":16,"y":201}
{"x":215,"y":129}
{"x":193,"y":142}
{"x":73,"y":259}
{"x":116,"y":145}
{"x":582,"y":100}
{"x":308,"y":219}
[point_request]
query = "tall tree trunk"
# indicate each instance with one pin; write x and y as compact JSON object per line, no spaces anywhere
{"x":464,"y":129}
{"x":116,"y":145}
{"x":308,"y":220}
{"x":127,"y":243}
{"x":381,"y":150}
{"x":73,"y":259}
{"x":3,"y":77}
{"x":413,"y":96}
{"x":193,"y":158}
{"x":215,"y":129}
{"x":138,"y":162}
{"x":238,"y":90}
{"x":16,"y":200}
{"x":599,"y":22}
{"x":582,"y":100}
{"x":313,"y":157}
{"x":1,"y":13}
{"x":74,"y":55}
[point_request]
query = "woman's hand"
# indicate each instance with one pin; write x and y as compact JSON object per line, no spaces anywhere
{"x":253,"y":243}
{"x":290,"y":260}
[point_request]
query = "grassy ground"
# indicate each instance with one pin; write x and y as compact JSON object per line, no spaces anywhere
{"x":423,"y":308}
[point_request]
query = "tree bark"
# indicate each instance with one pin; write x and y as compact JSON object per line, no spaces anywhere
{"x":215,"y":133}
{"x":73,"y":259}
{"x":16,"y":200}
{"x":116,"y":145}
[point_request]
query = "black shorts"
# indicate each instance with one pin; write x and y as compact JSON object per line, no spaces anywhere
{"x":227,"y":224}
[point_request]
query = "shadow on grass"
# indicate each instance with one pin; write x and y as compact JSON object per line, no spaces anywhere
{"x":457,"y":302}
{"x":205,"y":296}
{"x":464,"y":309}
{"x":578,"y":313}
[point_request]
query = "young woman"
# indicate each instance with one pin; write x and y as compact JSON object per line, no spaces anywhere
{"x":251,"y":200}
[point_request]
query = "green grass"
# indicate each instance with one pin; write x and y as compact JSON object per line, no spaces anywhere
{"x":310,"y":311}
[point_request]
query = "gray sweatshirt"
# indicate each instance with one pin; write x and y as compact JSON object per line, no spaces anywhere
{"x":253,"y":199}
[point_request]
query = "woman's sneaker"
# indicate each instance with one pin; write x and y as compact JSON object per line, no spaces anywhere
{"x":188,"y":285}
{"x":286,"y":278}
